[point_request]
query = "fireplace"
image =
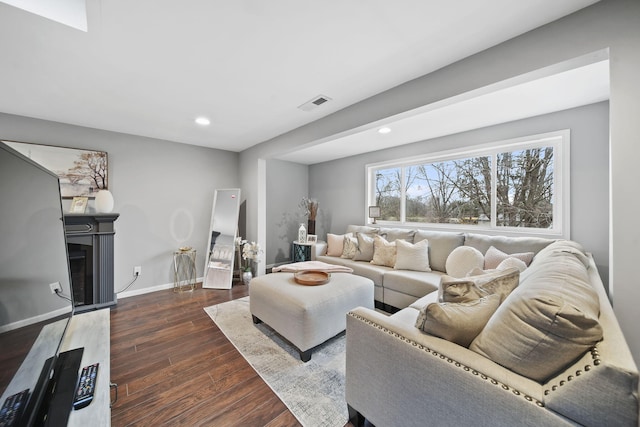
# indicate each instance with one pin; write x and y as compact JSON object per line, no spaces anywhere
{"x":81,"y":267}
{"x":90,"y":249}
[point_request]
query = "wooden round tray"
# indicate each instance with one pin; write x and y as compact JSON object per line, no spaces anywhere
{"x":312,"y":277}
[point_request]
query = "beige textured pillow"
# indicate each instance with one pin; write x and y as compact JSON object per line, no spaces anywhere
{"x":494,"y":257}
{"x":384,"y":253}
{"x":350,"y":247}
{"x":457,"y":322}
{"x":412,"y":256}
{"x":459,"y":290}
{"x":365,"y":247}
{"x":335,"y":243}
{"x":498,"y":282}
{"x":462,"y":260}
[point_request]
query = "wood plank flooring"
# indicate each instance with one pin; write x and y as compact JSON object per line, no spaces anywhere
{"x":174,"y":366}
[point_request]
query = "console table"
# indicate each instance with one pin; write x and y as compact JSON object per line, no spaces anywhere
{"x":91,"y":330}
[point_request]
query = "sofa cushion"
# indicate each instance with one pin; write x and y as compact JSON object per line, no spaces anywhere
{"x":360,"y":268}
{"x":365,"y":247}
{"x":414,"y":283}
{"x":384,"y":252}
{"x":393,"y":234}
{"x":355,"y":229}
{"x":441,"y":244}
{"x":548,"y":322}
{"x":499,"y":282}
{"x":457,"y":322}
{"x":493,"y":257}
{"x":335,"y":244}
{"x":349,"y":247}
{"x":412,"y":256}
{"x":462,"y":260}
{"x":506,"y":244}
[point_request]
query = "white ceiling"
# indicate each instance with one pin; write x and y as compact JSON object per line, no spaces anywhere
{"x":150,"y":67}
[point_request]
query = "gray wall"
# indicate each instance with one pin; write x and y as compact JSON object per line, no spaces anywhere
{"x":340,"y":185}
{"x":162,"y":190}
{"x":608,"y":24}
{"x":287,"y":183}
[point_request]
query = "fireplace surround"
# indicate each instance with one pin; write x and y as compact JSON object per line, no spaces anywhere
{"x":90,"y":242}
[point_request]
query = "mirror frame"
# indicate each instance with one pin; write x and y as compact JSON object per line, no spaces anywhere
{"x":221,"y":251}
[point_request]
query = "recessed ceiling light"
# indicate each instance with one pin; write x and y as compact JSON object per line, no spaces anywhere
{"x":384,"y":130}
{"x":203,"y":121}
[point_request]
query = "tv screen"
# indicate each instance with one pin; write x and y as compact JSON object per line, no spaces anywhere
{"x":33,"y":258}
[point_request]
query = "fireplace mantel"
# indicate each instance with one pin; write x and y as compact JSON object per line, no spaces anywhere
{"x":93,"y":234}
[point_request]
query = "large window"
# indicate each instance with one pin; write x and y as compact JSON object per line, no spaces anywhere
{"x":508,"y":185}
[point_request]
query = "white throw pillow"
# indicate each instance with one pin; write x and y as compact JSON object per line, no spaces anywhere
{"x":462,"y":260}
{"x":495,"y":256}
{"x":412,"y":256}
{"x":335,"y":244}
{"x":512,"y":262}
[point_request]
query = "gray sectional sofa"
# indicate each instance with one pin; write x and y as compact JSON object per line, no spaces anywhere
{"x":551,"y":352}
{"x":396,"y":289}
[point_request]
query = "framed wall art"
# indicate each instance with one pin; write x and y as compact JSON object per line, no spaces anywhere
{"x":81,"y":172}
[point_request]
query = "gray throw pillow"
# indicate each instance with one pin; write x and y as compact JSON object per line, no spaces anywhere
{"x":548,"y":322}
{"x":365,"y":248}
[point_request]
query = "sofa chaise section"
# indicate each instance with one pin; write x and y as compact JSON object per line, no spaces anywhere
{"x":426,"y":380}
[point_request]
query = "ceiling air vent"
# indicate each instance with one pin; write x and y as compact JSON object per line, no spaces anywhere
{"x":314,"y":103}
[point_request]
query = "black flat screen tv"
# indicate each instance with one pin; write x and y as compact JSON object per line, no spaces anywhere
{"x":33,"y":258}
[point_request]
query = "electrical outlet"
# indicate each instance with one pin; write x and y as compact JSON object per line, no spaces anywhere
{"x":55,"y":287}
{"x":137,"y":270}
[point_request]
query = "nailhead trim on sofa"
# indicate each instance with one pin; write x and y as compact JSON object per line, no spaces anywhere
{"x":448,"y":359}
{"x":596,"y":361}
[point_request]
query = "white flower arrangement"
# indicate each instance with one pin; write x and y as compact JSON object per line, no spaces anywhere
{"x":250,"y":252}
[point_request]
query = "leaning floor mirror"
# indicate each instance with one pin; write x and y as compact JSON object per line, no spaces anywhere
{"x":218,"y":272}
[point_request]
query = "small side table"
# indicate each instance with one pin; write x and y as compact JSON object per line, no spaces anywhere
{"x":301,"y":252}
{"x":184,"y":270}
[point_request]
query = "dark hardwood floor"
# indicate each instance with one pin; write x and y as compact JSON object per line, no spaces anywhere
{"x":174,"y":367}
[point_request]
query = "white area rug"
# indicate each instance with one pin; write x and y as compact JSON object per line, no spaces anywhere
{"x":313,"y":391}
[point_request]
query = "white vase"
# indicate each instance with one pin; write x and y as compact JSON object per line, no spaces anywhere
{"x":104,"y":201}
{"x":302,"y":234}
{"x":246,"y":277}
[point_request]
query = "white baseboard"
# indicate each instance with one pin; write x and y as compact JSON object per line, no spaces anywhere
{"x":150,"y":289}
{"x":35,"y":319}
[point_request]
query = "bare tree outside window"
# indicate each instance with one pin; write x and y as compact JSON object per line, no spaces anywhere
{"x":459,"y":191}
{"x":388,"y":193}
{"x":525,"y":188}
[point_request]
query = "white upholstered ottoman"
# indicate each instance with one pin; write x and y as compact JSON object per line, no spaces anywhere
{"x":307,"y":315}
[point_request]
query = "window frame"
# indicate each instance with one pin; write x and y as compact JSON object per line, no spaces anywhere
{"x":559,"y":140}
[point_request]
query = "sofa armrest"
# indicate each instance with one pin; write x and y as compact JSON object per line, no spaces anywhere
{"x":397,"y":375}
{"x":319,"y":249}
{"x":604,"y":380}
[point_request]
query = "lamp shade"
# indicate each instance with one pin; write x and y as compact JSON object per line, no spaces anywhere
{"x":104,"y":201}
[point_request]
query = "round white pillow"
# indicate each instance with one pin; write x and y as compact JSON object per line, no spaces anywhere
{"x":462,"y":260}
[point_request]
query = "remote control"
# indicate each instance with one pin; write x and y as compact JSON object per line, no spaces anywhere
{"x":12,"y":408}
{"x":86,"y":386}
